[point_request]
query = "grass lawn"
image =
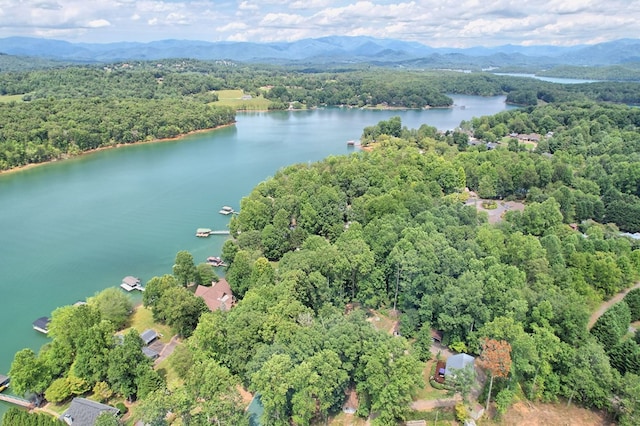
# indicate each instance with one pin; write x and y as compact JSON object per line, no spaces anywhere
{"x":11,"y":98}
{"x":142,"y":319}
{"x":428,"y":392}
{"x":344,"y":419}
{"x":233,"y":98}
{"x":170,"y":376}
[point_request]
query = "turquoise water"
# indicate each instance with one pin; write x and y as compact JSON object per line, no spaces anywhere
{"x":72,"y":228}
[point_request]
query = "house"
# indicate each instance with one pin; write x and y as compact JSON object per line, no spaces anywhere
{"x":436,"y":335}
{"x":218,"y":296}
{"x":351,"y":403}
{"x":42,"y":325}
{"x":84,"y":412}
{"x":149,"y":336}
{"x":457,"y":362}
{"x":150,"y":353}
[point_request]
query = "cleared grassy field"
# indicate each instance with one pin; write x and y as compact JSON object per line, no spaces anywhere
{"x":11,"y":98}
{"x":142,"y":320}
{"x":233,"y":98}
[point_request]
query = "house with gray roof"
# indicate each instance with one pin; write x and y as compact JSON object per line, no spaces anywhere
{"x":457,"y":362}
{"x":149,"y":336}
{"x":84,"y":412}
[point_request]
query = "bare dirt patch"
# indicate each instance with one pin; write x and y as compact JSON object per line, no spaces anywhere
{"x":527,"y":414}
{"x":495,"y":215}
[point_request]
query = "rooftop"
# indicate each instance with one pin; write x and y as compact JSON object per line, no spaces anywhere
{"x":458,"y":362}
{"x":149,"y":336}
{"x":218,"y":296}
{"x":84,"y":412}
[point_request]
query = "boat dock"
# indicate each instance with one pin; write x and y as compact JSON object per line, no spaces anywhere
{"x":17,"y":401}
{"x":215,"y":261}
{"x":227,"y":210}
{"x":205,"y":232}
{"x":42,"y":325}
{"x":130,"y":283}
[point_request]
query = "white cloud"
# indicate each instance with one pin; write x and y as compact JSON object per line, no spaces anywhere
{"x":98,"y":23}
{"x":434,"y":22}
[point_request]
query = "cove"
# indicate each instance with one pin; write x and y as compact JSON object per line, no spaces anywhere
{"x":72,"y":228}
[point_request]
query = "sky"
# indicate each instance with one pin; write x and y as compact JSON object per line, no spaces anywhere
{"x":436,"y":23}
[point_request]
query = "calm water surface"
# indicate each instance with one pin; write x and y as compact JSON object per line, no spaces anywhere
{"x":549,"y":79}
{"x":72,"y":228}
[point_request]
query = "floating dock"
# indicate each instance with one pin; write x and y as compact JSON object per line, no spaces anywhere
{"x":130,"y":283}
{"x":215,"y":261}
{"x":226,"y":210}
{"x":205,"y":232}
{"x":42,"y":325}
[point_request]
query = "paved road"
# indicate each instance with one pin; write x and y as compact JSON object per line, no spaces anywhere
{"x":167,"y":350}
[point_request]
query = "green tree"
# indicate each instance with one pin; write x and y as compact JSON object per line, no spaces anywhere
{"x":184,"y":269}
{"x":205,"y":275}
{"x":125,"y":363}
{"x":28,"y":373}
{"x":113,"y":305}
{"x":461,"y":381}
{"x":155,"y":288}
{"x":180,"y":309}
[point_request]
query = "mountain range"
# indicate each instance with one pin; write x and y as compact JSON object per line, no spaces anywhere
{"x":334,"y":49}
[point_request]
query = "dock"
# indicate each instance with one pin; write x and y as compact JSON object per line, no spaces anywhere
{"x":130,"y":283}
{"x":215,"y":261}
{"x":227,"y":210}
{"x":205,"y":232}
{"x":42,"y":325}
{"x":17,"y":401}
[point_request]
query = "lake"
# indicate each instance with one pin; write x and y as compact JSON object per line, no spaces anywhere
{"x":72,"y":228}
{"x":559,"y":80}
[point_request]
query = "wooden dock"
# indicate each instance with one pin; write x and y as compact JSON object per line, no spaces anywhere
{"x":17,"y":401}
{"x":224,"y":232}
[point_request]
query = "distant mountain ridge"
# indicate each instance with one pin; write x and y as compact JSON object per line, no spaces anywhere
{"x":332,"y":49}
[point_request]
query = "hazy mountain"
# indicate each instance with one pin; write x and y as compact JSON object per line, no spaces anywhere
{"x":335,"y":49}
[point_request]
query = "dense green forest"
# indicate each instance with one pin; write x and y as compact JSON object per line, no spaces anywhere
{"x":587,"y":159}
{"x":625,"y":72}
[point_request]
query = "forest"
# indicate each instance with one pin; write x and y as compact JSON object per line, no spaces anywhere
{"x":67,"y":110}
{"x":317,"y":246}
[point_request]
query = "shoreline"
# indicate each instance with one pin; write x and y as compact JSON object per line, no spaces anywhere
{"x":118,"y":145}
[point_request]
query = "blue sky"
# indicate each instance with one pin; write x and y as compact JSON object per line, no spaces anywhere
{"x":437,"y":23}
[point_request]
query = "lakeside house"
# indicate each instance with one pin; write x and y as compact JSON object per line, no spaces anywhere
{"x":42,"y":325}
{"x":84,"y":412}
{"x":218,"y":296}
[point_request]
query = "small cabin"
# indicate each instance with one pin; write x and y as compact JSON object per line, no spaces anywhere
{"x":42,"y":325}
{"x":150,"y":353}
{"x":149,"y":336}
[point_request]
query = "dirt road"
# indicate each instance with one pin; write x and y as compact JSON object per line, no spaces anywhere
{"x":607,"y":304}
